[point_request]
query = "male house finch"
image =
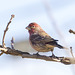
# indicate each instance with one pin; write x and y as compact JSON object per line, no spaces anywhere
{"x":40,"y":40}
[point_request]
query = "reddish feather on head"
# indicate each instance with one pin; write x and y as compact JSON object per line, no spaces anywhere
{"x":34,"y":24}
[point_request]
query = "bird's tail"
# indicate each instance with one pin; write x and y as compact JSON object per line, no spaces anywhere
{"x":61,"y":47}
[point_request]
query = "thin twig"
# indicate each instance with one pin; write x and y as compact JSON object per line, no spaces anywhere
{"x":71,"y":52}
{"x":71,"y":31}
{"x":3,"y":44}
{"x":1,"y":53}
{"x":12,"y":43}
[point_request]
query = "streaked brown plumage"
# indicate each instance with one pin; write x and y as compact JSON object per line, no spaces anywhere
{"x":40,"y":40}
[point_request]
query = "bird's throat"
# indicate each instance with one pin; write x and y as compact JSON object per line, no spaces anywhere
{"x":32,"y":31}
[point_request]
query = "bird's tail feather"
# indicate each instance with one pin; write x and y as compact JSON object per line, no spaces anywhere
{"x":61,"y":47}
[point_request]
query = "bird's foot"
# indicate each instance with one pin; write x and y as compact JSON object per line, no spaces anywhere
{"x":53,"y":56}
{"x":36,"y":54}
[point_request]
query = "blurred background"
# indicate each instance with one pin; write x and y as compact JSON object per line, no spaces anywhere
{"x":56,"y":17}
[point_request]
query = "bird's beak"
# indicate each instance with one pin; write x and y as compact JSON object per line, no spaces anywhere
{"x":28,"y":28}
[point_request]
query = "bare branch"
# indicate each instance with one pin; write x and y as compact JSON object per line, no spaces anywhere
{"x":64,"y":60}
{"x":71,"y":31}
{"x":3,"y":44}
{"x":71,"y":52}
{"x":3,"y":49}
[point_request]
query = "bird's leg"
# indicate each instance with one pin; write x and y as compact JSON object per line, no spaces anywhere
{"x":53,"y":54}
{"x":37,"y":53}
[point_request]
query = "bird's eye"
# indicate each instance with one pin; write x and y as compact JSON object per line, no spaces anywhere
{"x":33,"y":26}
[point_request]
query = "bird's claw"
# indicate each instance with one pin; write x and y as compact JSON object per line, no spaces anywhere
{"x":36,"y":54}
{"x":53,"y":56}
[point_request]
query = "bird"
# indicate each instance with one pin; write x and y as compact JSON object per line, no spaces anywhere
{"x":40,"y":40}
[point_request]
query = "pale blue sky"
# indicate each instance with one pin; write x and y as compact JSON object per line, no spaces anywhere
{"x":27,"y":11}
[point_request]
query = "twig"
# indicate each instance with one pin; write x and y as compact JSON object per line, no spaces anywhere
{"x":71,"y":52}
{"x":71,"y":31}
{"x":3,"y":49}
{"x":1,"y":53}
{"x":12,"y":43}
{"x":64,"y":60}
{"x":3,"y":44}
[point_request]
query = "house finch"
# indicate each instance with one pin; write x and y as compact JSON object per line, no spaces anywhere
{"x":40,"y":40}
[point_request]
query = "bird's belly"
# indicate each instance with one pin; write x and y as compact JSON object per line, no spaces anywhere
{"x":42,"y":48}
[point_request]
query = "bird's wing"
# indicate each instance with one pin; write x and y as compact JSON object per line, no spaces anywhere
{"x":42,"y":39}
{"x":45,"y":40}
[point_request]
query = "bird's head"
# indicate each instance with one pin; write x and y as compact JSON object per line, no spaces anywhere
{"x":33,"y":28}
